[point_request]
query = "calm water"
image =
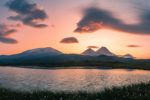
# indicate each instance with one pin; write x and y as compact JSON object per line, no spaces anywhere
{"x":69,"y":79}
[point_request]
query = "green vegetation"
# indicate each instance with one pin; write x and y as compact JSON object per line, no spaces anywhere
{"x":132,"y":92}
{"x":92,"y":64}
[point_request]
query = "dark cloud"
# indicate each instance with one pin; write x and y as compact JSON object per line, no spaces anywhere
{"x":5,"y":32}
{"x":69,"y":40}
{"x":95,"y":19}
{"x":92,"y":47}
{"x":8,"y":40}
{"x":133,"y":46}
{"x":16,"y":25}
{"x":27,"y":13}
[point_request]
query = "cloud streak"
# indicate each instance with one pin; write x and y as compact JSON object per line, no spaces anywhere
{"x":93,"y":47}
{"x":69,"y":40}
{"x":29,"y":14}
{"x":133,"y":46}
{"x":95,"y":19}
{"x":5,"y":32}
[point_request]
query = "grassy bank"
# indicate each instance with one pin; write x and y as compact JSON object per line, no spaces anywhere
{"x":94,"y":64}
{"x":132,"y":92}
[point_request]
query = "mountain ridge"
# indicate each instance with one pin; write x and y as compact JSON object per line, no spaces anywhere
{"x":100,"y":51}
{"x":53,"y":55}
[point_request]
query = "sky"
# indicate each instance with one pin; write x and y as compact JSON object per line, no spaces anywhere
{"x":71,"y":26}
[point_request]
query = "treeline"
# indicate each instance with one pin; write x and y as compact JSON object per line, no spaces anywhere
{"x":111,"y":64}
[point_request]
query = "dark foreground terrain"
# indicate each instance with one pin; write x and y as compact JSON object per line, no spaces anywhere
{"x":67,"y":60}
{"x":132,"y":92}
{"x":88,"y":64}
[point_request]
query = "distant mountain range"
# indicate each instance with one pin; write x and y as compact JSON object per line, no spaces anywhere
{"x":128,"y":56}
{"x":101,"y":51}
{"x":104,"y":51}
{"x":51,"y":55}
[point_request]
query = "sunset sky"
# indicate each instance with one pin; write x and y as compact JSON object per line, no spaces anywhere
{"x":70,"y":26}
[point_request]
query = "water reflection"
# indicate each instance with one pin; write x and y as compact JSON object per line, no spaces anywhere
{"x":69,"y":79}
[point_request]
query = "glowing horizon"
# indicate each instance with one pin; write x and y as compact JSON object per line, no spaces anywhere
{"x":62,"y":17}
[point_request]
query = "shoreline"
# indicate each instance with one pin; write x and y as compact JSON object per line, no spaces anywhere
{"x":85,"y":65}
{"x":68,"y":67}
{"x":76,"y":67}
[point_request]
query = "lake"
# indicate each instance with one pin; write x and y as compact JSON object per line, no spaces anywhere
{"x":68,"y":79}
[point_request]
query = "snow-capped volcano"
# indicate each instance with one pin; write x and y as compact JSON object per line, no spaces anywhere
{"x":104,"y":51}
{"x":31,"y":54}
{"x":101,"y":51}
{"x":42,"y":51}
{"x":128,"y":56}
{"x":88,"y":52}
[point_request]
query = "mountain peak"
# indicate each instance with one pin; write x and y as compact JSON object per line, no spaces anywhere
{"x":103,"y":48}
{"x":101,"y":51}
{"x":128,"y":56}
{"x":104,"y":51}
{"x":89,"y":51}
{"x":46,"y":50}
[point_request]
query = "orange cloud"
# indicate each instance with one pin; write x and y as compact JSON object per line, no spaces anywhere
{"x":91,"y":27}
{"x":133,"y":46}
{"x":93,"y":47}
{"x":95,"y":19}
